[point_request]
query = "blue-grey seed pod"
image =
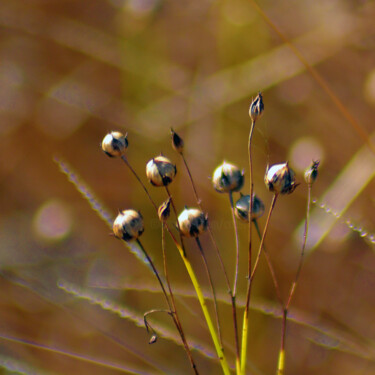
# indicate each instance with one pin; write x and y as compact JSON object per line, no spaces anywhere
{"x":242,"y":208}
{"x":160,"y":171}
{"x":280,"y":178}
{"x":256,"y":108}
{"x":115,"y":144}
{"x":192,"y":222}
{"x":128,"y":225}
{"x":312,"y":172}
{"x":227,"y":177}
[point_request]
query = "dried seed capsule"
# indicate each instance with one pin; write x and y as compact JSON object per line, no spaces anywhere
{"x":227,"y":177}
{"x":242,"y":208}
{"x":256,"y":108}
{"x":280,"y":178}
{"x":128,"y":225}
{"x":192,"y":222}
{"x":115,"y":144}
{"x":177,"y":142}
{"x":165,"y":210}
{"x":312,"y":172}
{"x":160,"y":171}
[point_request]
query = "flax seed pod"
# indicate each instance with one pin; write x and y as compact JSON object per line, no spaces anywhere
{"x":227,"y":177}
{"x":192,"y":222}
{"x":177,"y":142}
{"x":312,"y":172}
{"x":115,"y":144}
{"x":280,"y":178}
{"x":160,"y":171}
{"x":256,"y":108}
{"x":242,"y":208}
{"x":128,"y":225}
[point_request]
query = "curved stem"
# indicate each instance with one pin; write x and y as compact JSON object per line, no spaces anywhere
{"x":237,"y":244}
{"x":212,"y":288}
{"x":245,"y":325}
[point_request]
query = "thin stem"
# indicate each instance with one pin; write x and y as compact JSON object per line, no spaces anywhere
{"x":251,"y":193}
{"x":281,"y":361}
{"x":231,"y":294}
{"x":245,"y":325}
{"x":237,"y":244}
{"x":194,"y":280}
{"x":270,"y":267}
{"x":212,"y":287}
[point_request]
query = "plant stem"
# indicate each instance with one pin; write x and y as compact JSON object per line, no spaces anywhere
{"x":212,"y":288}
{"x":231,"y":294}
{"x":251,"y":192}
{"x":237,"y":244}
{"x":245,"y":325}
{"x":281,"y":361}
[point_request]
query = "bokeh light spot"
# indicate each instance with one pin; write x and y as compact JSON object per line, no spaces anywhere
{"x":52,"y":221}
{"x":304,"y":151}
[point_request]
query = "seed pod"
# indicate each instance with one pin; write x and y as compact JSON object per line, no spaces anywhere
{"x":242,"y":208}
{"x":227,"y":177}
{"x":160,"y":171}
{"x":177,"y":142}
{"x":192,"y":222}
{"x":128,"y":225}
{"x":280,"y":179}
{"x":312,"y":172}
{"x":115,"y":144}
{"x":165,"y":210}
{"x":256,"y":108}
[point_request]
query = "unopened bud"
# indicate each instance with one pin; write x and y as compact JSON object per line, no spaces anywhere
{"x":128,"y":225}
{"x":192,"y":222}
{"x":312,"y":172}
{"x":115,"y":144}
{"x":177,"y":142}
{"x":256,"y":108}
{"x":160,"y":171}
{"x":165,"y":210}
{"x":242,"y":208}
{"x":280,"y":178}
{"x":227,"y":177}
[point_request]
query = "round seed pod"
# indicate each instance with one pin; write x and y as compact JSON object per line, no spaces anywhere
{"x":241,"y":208}
{"x":312,"y":172}
{"x":192,"y":222}
{"x":115,"y":144}
{"x":256,"y":108}
{"x":177,"y":142}
{"x":160,"y":171}
{"x":128,"y":225}
{"x":227,"y":177}
{"x":280,"y":178}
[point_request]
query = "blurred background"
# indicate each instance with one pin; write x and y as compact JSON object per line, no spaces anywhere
{"x":70,"y":71}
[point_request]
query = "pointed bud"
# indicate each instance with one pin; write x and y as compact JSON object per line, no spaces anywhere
{"x":312,"y":172}
{"x":192,"y":222}
{"x":115,"y":144}
{"x":177,"y":142}
{"x":242,"y":208}
{"x":160,"y":171}
{"x":256,"y":108}
{"x":227,"y":177}
{"x":153,"y":339}
{"x":165,"y":210}
{"x":128,"y":225}
{"x":280,"y":178}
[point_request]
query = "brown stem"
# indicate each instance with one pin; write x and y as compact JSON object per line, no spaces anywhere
{"x":251,"y":193}
{"x":237,"y":244}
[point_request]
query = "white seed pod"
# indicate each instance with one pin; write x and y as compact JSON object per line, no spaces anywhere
{"x":242,"y":208}
{"x":160,"y":171}
{"x":192,"y":222}
{"x":115,"y":144}
{"x":256,"y":108}
{"x":312,"y":172}
{"x":280,"y":178}
{"x":128,"y":225}
{"x":227,"y":177}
